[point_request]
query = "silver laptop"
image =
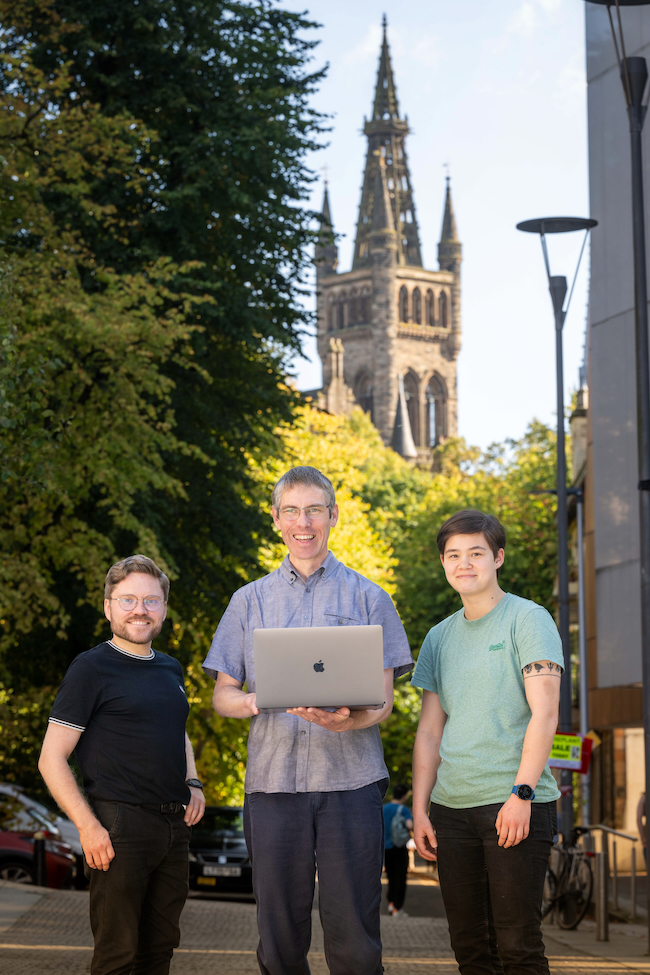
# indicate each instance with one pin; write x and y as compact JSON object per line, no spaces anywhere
{"x":319,"y":667}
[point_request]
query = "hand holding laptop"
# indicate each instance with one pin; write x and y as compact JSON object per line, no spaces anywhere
{"x":320,"y":673}
{"x":338,"y":720}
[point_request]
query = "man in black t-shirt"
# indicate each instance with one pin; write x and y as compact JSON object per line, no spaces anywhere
{"x":122,"y":709}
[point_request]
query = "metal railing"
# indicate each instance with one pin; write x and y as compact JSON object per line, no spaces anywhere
{"x":602,"y":876}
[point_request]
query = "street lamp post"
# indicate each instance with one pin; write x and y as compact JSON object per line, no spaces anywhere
{"x":582,"y":637}
{"x":634,"y":77}
{"x":557,"y":285}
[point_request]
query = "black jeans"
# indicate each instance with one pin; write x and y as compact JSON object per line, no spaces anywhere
{"x":396,"y":861}
{"x":340,"y":833}
{"x":136,"y":904}
{"x":493,"y":896}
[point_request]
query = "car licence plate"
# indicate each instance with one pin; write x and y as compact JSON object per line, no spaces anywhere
{"x":222,"y":871}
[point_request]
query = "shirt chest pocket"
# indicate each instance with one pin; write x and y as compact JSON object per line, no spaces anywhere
{"x":336,"y":619}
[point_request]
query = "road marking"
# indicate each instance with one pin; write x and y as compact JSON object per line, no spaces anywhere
{"x":558,"y":963}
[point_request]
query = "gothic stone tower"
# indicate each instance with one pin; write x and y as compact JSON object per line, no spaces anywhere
{"x":388,"y":330}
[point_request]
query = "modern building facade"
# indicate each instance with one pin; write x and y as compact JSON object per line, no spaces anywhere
{"x":612,"y":519}
{"x":388,"y":329}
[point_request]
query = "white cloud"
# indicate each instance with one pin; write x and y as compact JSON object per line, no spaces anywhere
{"x":525,"y":21}
{"x":422,"y":47}
{"x":528,"y":19}
{"x":426,"y":50}
{"x":569,"y":91}
{"x":367,"y":48}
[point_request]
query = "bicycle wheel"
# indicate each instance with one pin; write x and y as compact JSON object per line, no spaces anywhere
{"x":550,"y":892}
{"x":573,"y":902}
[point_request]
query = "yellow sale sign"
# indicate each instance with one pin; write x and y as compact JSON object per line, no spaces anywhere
{"x":566,"y":752}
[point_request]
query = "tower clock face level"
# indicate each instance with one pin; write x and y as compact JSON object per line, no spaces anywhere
{"x":388,"y":329}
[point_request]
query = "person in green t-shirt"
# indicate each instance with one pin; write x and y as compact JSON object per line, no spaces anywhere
{"x":483,"y":796}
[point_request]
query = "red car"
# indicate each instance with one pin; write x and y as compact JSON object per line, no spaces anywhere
{"x":17,"y":828}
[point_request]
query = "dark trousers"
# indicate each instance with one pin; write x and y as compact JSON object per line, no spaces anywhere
{"x":136,"y":904}
{"x":493,"y":896}
{"x":341,"y":834}
{"x":396,"y":861}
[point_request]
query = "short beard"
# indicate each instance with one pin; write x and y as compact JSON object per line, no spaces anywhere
{"x":119,"y":629}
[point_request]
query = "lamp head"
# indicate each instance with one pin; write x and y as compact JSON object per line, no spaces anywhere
{"x":556,"y":225}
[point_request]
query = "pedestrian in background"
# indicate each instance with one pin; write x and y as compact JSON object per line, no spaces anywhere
{"x":315,"y":779}
{"x":122,"y":709}
{"x":490,"y":676}
{"x":398,"y":823}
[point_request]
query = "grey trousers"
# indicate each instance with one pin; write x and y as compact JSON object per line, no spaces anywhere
{"x":290,"y":836}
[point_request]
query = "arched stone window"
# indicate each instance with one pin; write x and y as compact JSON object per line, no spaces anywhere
{"x":436,"y":411}
{"x":364,"y":307}
{"x":341,"y":312}
{"x":331,"y":314}
{"x":429,"y":309}
{"x":403,"y":304}
{"x":442,"y":309}
{"x":353,"y":308}
{"x":363,"y":392}
{"x":417,"y":306}
{"x":413,"y":404}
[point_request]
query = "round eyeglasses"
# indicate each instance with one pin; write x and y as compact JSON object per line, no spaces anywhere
{"x":151,"y":603}
{"x":313,"y":511}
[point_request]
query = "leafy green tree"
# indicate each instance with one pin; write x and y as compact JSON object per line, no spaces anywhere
{"x":187,"y":128}
{"x":84,"y":404}
{"x":503,"y":481}
{"x":222,"y":91}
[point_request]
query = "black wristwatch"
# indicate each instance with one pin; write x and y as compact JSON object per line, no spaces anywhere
{"x":525,"y":792}
{"x":195,"y":783}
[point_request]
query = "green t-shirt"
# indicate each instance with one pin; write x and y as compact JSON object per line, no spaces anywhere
{"x":475,"y":667}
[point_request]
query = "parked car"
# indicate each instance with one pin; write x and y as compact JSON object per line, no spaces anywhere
{"x":219,"y":859}
{"x":20,"y":818}
{"x":67,"y":829}
{"x":17,"y":859}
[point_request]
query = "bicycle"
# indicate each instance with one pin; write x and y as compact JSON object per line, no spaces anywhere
{"x":569,"y":882}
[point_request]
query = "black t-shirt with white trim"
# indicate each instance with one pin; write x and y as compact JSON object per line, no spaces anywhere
{"x":132,"y":712}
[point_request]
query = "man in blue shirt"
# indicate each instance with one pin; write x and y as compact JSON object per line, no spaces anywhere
{"x":315,"y":779}
{"x":396,"y":856}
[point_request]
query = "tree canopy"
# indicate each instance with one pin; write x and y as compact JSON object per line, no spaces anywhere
{"x":153,"y":240}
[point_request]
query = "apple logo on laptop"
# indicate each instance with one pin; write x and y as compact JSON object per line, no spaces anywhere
{"x":319,"y":667}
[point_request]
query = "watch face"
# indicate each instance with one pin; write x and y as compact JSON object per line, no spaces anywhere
{"x":525,"y":792}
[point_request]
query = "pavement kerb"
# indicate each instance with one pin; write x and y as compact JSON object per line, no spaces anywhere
{"x":627,"y":947}
{"x":9,"y":885}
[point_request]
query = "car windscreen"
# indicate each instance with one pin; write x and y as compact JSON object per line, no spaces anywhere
{"x":219,"y":824}
{"x":16,"y":818}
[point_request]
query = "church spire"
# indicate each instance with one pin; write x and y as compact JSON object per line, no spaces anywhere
{"x":326,"y":251}
{"x":386,"y":133}
{"x":449,"y":248}
{"x":325,"y":209}
{"x":385,"y":106}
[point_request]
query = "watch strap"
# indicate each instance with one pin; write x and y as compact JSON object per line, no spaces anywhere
{"x":528,"y":792}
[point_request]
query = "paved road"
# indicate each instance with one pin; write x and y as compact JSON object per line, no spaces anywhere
{"x":52,"y":937}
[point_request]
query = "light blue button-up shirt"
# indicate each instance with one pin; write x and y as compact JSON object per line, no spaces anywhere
{"x":286,"y":753}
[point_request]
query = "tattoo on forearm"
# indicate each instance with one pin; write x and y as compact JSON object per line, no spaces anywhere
{"x":543,"y":668}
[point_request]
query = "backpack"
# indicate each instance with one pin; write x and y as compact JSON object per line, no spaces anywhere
{"x":399,"y":835}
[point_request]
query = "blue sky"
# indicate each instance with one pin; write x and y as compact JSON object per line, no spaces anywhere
{"x":496,"y":89}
